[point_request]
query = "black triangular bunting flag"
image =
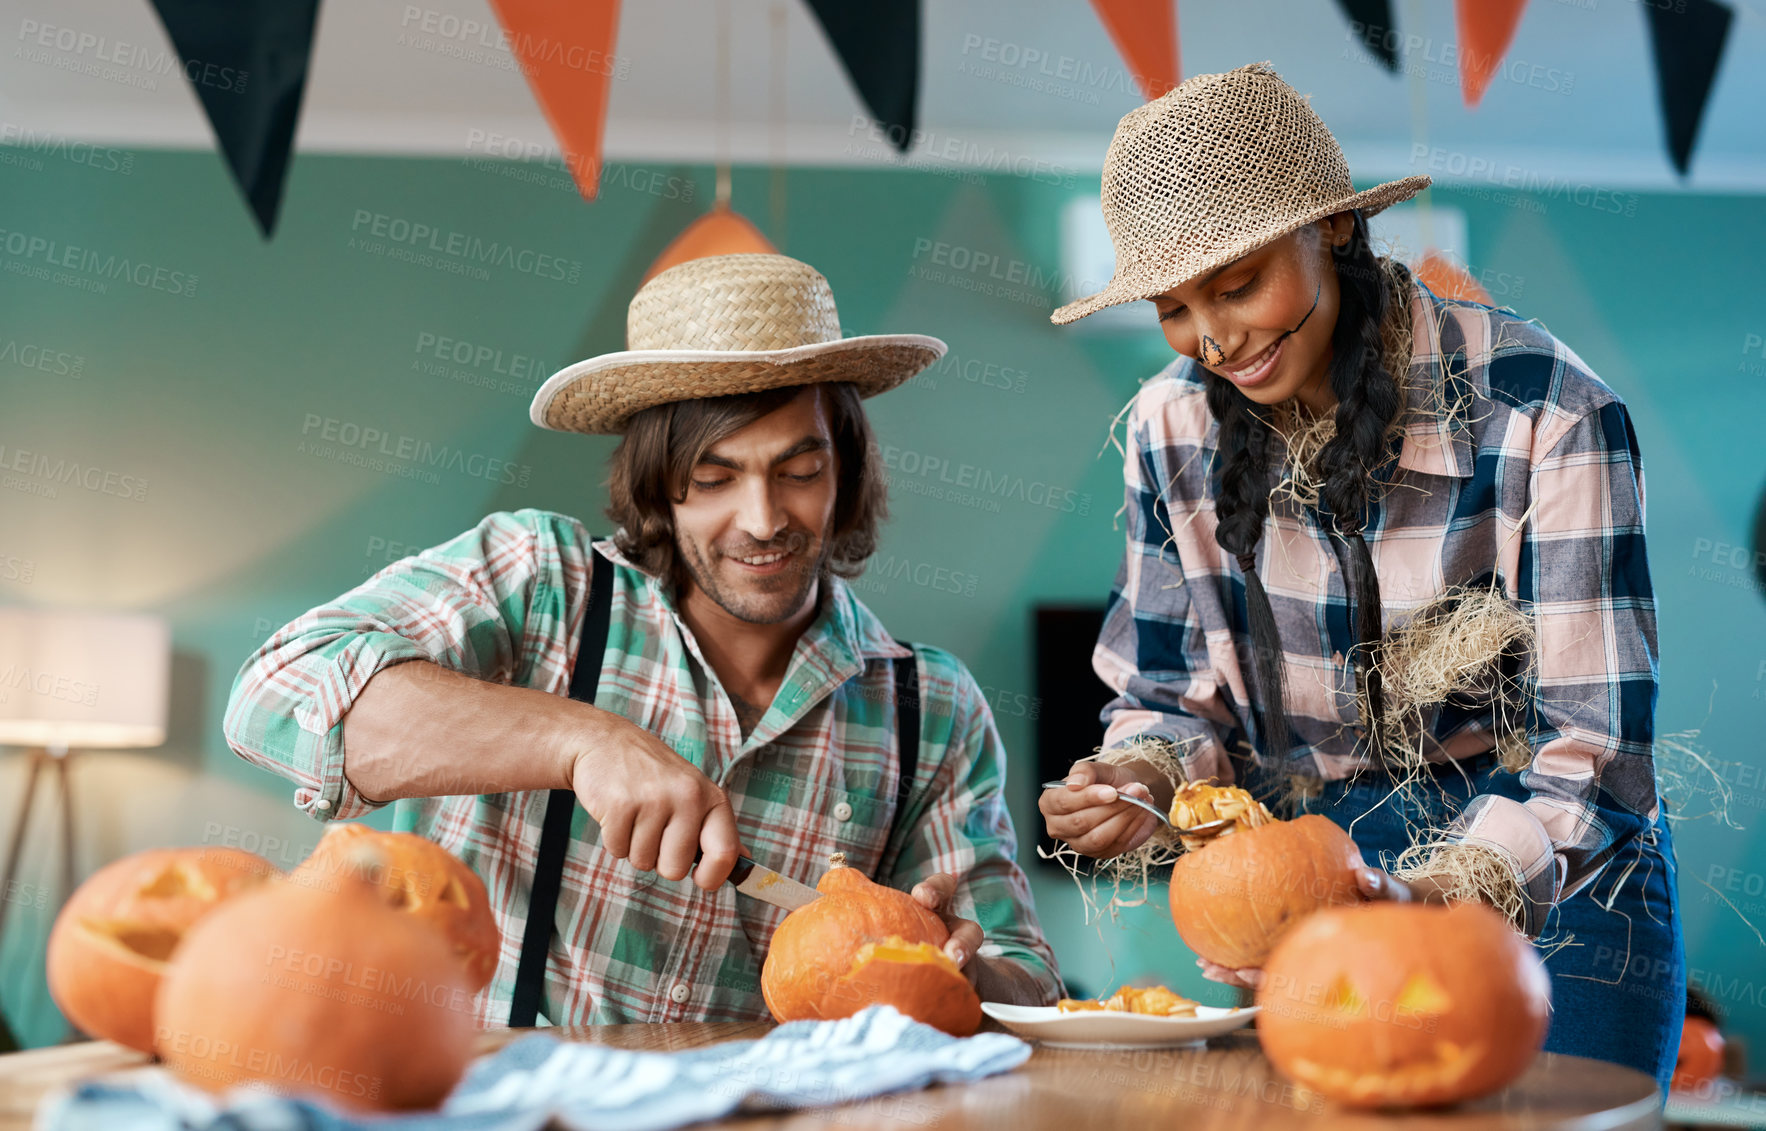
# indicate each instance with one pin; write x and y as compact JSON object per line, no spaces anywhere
{"x":247,"y":61}
{"x":1688,"y":43}
{"x":1370,"y":26}
{"x":879,"y":45}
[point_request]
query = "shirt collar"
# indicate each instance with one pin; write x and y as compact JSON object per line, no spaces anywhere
{"x":1437,"y":441}
{"x":838,"y":644}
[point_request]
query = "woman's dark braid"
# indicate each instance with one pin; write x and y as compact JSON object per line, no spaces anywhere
{"x":1241,"y":507}
{"x":1368,"y":400}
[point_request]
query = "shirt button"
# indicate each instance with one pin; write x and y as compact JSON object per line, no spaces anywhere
{"x":1337,"y":658}
{"x":679,"y":993}
{"x":322,"y":803}
{"x":843,"y":812}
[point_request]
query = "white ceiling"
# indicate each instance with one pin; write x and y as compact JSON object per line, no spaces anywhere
{"x":1575,"y":103}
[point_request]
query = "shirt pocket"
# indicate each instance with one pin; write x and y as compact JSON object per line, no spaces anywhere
{"x":857,"y":824}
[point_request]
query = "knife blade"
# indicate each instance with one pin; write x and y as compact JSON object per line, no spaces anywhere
{"x":760,"y":882}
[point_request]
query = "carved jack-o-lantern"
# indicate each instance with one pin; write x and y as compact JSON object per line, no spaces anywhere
{"x":1398,"y":1005}
{"x":417,"y":876}
{"x":110,"y":943}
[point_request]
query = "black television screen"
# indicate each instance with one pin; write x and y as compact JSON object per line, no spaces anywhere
{"x":1069,"y":694}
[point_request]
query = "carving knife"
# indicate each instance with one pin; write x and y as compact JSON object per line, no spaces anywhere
{"x":766,"y":885}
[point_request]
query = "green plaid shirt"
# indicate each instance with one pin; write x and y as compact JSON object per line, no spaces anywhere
{"x":505,"y":602}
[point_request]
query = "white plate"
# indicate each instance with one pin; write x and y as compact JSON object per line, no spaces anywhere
{"x":1092,"y":1028}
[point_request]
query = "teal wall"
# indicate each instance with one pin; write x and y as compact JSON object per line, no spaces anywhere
{"x":220,"y":514}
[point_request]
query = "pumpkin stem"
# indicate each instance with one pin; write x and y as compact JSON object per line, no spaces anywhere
{"x":837,"y":859}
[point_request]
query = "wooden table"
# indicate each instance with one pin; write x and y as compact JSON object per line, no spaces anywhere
{"x":1227,"y":1086}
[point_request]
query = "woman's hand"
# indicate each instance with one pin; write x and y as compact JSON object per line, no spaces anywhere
{"x":1375,"y":885}
{"x":1245,"y":978}
{"x":1088,"y":815}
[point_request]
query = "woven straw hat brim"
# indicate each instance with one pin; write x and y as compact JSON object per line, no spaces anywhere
{"x":1140,"y":285}
{"x":599,"y":396}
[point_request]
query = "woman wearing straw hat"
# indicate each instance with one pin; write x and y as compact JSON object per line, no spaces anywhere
{"x":1385,"y":562}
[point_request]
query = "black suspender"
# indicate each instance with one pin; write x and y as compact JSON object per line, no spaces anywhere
{"x":542,"y":904}
{"x":548,"y":871}
{"x":907,"y":722}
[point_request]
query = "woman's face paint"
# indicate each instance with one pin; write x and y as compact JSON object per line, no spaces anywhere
{"x":1264,"y":321}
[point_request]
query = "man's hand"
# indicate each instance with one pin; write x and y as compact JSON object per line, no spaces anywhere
{"x":655,"y":809}
{"x":1088,"y":815}
{"x":935,"y":894}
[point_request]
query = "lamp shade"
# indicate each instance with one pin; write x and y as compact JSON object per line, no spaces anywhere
{"x":83,"y":679}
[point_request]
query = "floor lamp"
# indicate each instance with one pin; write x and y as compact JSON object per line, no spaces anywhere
{"x":70,"y":681}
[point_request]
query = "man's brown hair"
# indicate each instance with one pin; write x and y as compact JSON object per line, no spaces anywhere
{"x":651,"y":468}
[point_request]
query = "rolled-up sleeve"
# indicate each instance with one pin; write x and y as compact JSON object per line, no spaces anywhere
{"x":964,"y":828}
{"x":1152,"y":651}
{"x":468,"y":605}
{"x":1584,"y":575}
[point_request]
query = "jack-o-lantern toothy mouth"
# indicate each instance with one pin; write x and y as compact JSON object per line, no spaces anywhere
{"x":1398,"y":1083}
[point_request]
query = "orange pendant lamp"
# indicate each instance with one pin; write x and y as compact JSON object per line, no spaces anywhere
{"x":722,"y":231}
{"x":1448,"y":279}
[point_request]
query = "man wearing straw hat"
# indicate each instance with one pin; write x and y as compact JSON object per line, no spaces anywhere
{"x":742,"y":697}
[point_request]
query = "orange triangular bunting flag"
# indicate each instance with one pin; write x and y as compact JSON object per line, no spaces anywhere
{"x":1145,"y":34}
{"x":1486,"y":28}
{"x":721,"y":231}
{"x":566,"y":51}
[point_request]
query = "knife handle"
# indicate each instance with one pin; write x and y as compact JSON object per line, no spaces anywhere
{"x":740,"y":872}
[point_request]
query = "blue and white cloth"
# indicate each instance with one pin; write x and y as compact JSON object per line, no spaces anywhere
{"x":591,"y":1087}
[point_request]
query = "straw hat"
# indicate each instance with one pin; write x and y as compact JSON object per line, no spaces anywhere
{"x":719,"y":326}
{"x":1217,"y":168}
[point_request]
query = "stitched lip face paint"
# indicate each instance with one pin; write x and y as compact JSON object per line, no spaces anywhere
{"x":1259,"y":369}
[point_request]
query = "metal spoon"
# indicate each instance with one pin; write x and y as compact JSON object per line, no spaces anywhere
{"x":1203,"y":830}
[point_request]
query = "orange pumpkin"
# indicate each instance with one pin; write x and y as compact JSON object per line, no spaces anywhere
{"x":1403,"y":1005}
{"x":308,"y":991}
{"x":865,"y":944}
{"x":109,"y":946}
{"x":419,"y":877}
{"x":1701,"y":1055}
{"x":1234,"y":896}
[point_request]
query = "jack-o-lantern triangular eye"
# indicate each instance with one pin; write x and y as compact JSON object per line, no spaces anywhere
{"x":177,"y":880}
{"x":1423,"y":994}
{"x":1345,"y":998}
{"x":401,"y":897}
{"x":455,"y":893}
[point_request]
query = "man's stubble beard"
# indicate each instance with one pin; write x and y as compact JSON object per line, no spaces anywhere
{"x":799,"y":579}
